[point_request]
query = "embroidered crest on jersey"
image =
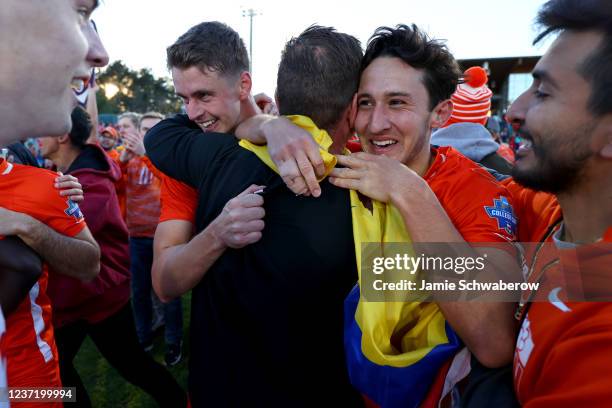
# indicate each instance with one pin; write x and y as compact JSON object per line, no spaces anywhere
{"x":503,"y":213}
{"x":73,"y":210}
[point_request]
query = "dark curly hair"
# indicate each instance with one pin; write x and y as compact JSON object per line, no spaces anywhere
{"x":415,"y":48}
{"x":81,"y":127}
{"x":582,"y":15}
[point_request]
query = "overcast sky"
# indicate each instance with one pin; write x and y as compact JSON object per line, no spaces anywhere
{"x":138,"y":31}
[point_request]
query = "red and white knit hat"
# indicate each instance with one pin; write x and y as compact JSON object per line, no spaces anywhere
{"x":472,"y":99}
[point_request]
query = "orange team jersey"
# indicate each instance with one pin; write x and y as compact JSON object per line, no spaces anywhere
{"x":562,"y":355}
{"x":113,"y":154}
{"x":28,"y":344}
{"x":537,"y":211}
{"x":178,"y":200}
{"x":142,"y":197}
{"x":479,"y":207}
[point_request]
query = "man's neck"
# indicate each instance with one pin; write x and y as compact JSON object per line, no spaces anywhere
{"x":421,"y":163}
{"x":64,"y":157}
{"x":248,"y":109}
{"x":587,"y":211}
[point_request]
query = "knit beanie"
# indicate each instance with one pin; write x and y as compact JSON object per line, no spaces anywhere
{"x":472,"y":98}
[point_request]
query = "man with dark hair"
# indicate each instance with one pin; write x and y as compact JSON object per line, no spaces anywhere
{"x":562,"y":354}
{"x":295,"y":96}
{"x":101,"y":308}
{"x":406,"y":83}
{"x":267,"y":318}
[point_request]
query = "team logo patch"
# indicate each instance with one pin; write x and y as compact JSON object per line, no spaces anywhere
{"x":503,"y":213}
{"x":73,"y":210}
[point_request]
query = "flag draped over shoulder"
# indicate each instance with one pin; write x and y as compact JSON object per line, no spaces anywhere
{"x":394,"y":350}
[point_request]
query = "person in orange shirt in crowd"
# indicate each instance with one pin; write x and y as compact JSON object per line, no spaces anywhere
{"x":30,"y":207}
{"x":143,"y":211}
{"x":108,"y":139}
{"x":564,"y":172}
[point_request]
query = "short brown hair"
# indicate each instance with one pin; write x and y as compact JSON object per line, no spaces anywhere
{"x":210,"y":46}
{"x":318,"y":75}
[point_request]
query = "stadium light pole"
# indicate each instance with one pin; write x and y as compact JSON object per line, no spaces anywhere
{"x":250,"y":13}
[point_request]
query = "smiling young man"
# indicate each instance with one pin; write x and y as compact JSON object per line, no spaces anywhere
{"x":562,"y":355}
{"x":56,"y":40}
{"x":209,"y":65}
{"x":406,"y":83}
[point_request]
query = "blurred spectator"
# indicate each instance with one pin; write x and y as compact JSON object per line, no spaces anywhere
{"x":108,"y":138}
{"x":100,"y":308}
{"x":493,"y":126}
{"x":143,"y":211}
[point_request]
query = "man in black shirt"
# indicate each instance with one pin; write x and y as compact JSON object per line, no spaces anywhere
{"x":267,"y":319}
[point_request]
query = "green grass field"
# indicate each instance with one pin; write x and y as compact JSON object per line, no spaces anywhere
{"x":107,"y":388}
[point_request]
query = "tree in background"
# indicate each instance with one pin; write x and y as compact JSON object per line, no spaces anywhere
{"x":123,"y":89}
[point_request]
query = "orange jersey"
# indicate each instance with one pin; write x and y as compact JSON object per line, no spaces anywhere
{"x":28,"y":343}
{"x":142,"y":197}
{"x":562,"y":356}
{"x":113,"y":154}
{"x":479,"y":207}
{"x":178,"y":200}
{"x":536,"y":210}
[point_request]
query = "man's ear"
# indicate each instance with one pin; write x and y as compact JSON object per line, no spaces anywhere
{"x":276,"y":100}
{"x":63,"y":139}
{"x":245,"y":85}
{"x":602,"y":140}
{"x":606,"y":150}
{"x":441,"y":113}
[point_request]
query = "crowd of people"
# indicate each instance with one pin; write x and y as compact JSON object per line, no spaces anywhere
{"x":263,"y":207}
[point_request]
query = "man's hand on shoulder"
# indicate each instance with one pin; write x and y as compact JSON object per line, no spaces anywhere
{"x":291,"y":148}
{"x":70,"y":187}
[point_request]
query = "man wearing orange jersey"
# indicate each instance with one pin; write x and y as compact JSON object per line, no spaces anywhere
{"x":28,"y":344}
{"x":108,"y":139}
{"x":562,"y":354}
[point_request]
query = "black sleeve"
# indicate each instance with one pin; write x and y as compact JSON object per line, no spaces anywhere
{"x":179,"y":148}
